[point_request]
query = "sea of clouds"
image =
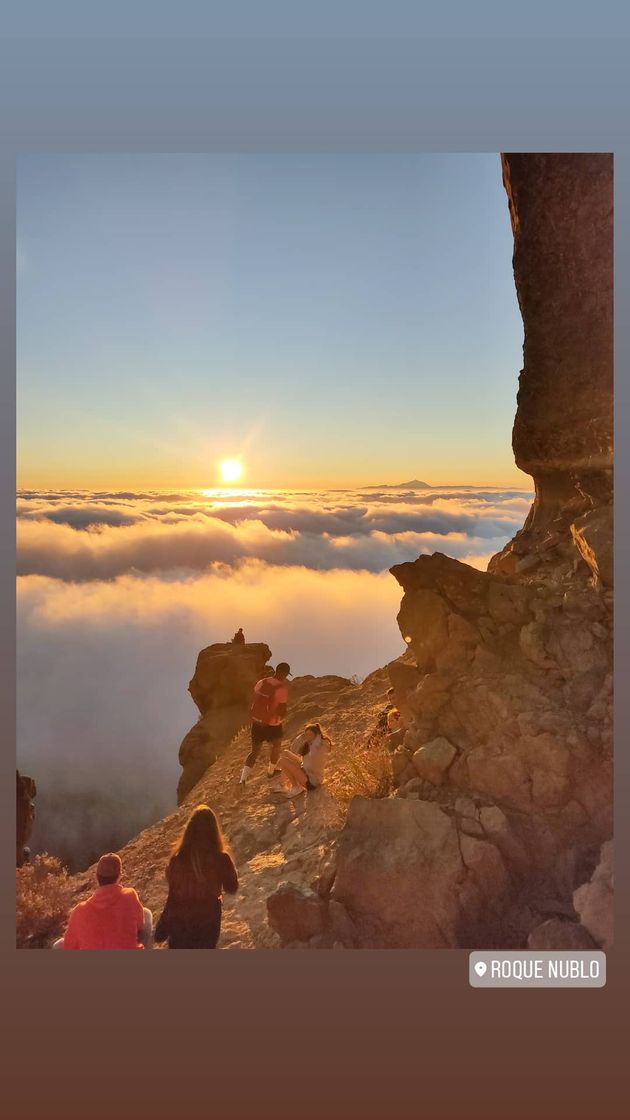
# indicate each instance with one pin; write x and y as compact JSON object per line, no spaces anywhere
{"x":118,"y":591}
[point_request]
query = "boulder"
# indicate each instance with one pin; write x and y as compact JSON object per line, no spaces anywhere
{"x":296,"y":913}
{"x":433,"y":760}
{"x":408,"y":879}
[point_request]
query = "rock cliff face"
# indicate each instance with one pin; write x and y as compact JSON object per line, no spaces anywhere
{"x":510,"y":735}
{"x":25,"y":792}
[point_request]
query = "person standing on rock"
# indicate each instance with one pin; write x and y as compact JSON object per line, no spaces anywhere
{"x":268,"y":711}
{"x":198,"y":872}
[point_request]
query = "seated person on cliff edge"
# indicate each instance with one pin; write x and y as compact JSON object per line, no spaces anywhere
{"x":304,"y":765}
{"x":268,"y":709}
{"x":239,"y":637}
{"x":112,"y":917}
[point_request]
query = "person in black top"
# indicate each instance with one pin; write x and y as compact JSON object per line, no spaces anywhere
{"x":198,"y":872}
{"x":239,"y":637}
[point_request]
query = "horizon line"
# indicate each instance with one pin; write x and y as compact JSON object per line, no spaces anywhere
{"x":275,"y":489}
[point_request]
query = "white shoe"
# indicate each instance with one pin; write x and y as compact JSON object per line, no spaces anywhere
{"x":245,"y":772}
{"x":293,"y":792}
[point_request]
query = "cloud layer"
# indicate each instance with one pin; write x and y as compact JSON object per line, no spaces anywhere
{"x":79,"y":537}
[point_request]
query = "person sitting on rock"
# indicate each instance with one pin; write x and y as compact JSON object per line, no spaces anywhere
{"x":395,"y":728}
{"x":198,"y":872}
{"x":303,"y":767}
{"x":268,"y":710}
{"x":111,"y":918}
{"x":239,"y":637}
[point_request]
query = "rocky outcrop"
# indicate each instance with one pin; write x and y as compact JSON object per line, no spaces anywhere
{"x":25,"y":793}
{"x":221,"y":688}
{"x":511,"y":696}
{"x":509,"y":712}
{"x":561,"y":208}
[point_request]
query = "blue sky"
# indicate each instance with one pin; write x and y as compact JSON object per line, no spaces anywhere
{"x":331,"y":319}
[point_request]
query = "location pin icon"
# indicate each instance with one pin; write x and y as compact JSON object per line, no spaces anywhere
{"x":480,"y":968}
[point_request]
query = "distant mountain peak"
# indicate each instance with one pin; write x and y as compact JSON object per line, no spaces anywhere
{"x":414,"y":484}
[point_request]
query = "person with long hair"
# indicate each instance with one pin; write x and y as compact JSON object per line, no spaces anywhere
{"x":303,"y":768}
{"x":199,"y":871}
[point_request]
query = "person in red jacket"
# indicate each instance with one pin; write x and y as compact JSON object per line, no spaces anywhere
{"x":268,"y":710}
{"x":111,"y":918}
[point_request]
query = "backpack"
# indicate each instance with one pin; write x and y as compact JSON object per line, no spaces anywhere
{"x":264,"y":702}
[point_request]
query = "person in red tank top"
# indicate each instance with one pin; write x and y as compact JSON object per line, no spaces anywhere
{"x":268,"y":709}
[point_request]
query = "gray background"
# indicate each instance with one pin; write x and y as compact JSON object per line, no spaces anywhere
{"x":512,"y":80}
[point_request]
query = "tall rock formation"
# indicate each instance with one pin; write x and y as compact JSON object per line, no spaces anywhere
{"x":561,"y":207}
{"x":221,"y":688}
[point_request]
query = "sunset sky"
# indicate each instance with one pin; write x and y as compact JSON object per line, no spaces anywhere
{"x":331,"y":320}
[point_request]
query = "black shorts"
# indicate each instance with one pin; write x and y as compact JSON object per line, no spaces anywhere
{"x":265,"y":733}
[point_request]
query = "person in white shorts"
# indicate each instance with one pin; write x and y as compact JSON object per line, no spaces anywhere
{"x":302,"y":768}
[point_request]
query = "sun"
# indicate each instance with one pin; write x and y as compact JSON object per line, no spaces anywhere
{"x":231,"y":470}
